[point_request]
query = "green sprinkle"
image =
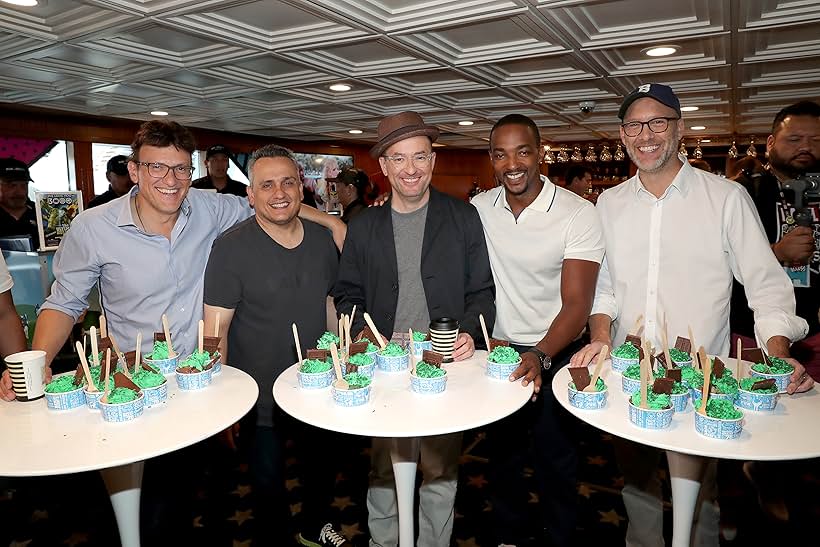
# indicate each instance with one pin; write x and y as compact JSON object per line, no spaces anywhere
{"x":504,"y":355}
{"x":722,"y":409}
{"x":747,"y":383}
{"x":62,"y":384}
{"x":360,"y":359}
{"x":371,"y":347}
{"x":356,"y":381}
{"x":599,"y":385}
{"x":393,"y":350}
{"x":325,"y":341}
{"x":426,"y":370}
{"x":725,"y":385}
{"x":778,"y":366}
{"x":419,"y":336}
{"x":679,"y":356}
{"x":655,"y":401}
{"x":691,"y":377}
{"x":196,"y":360}
{"x":633,"y":372}
{"x":159,"y":351}
{"x":147,"y":378}
{"x":121,"y":395}
{"x":626,"y":351}
{"x":313,"y":366}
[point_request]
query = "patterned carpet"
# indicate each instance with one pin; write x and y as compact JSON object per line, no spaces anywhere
{"x":74,"y":510}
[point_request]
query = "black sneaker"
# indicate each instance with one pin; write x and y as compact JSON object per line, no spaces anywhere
{"x":328,"y":537}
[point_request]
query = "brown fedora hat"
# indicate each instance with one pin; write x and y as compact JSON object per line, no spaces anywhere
{"x":398,"y":127}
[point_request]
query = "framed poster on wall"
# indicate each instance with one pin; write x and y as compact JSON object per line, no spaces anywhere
{"x":55,"y":212}
{"x":316,"y":169}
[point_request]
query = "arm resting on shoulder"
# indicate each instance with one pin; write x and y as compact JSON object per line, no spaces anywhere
{"x":331,"y":222}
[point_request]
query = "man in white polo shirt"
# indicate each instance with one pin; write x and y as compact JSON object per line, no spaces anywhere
{"x":545,"y":245}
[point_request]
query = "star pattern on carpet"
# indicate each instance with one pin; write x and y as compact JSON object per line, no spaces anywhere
{"x":240,"y":517}
{"x":237,"y":543}
{"x":290,"y":461}
{"x":242,"y":490}
{"x":618,"y":482}
{"x":477,"y":481}
{"x":197,"y":522}
{"x":295,"y":508}
{"x":77,"y":538}
{"x":342,"y":503}
{"x":23,"y":543}
{"x":290,"y":484}
{"x":596,"y":460}
{"x":38,"y":515}
{"x":469,"y":542}
{"x":533,"y":497}
{"x":350,"y":531}
{"x":611,"y":517}
{"x":584,"y":490}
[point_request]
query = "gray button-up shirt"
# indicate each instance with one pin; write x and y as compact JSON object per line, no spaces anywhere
{"x":142,"y":276}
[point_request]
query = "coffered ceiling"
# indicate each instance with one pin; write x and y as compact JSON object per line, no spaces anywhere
{"x":264,"y":67}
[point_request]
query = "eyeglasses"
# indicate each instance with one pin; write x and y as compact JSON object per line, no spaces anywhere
{"x":159,"y":170}
{"x":399,"y":160}
{"x":656,"y":125}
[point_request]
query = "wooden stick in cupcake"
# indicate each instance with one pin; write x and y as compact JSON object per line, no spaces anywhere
{"x":645,"y":372}
{"x":353,"y":314}
{"x":739,"y":352}
{"x":484,"y":331}
{"x":95,"y":358}
{"x":707,"y":379}
{"x":200,"y":336}
{"x":296,"y":341}
{"x":88,"y":379}
{"x":601,"y":357}
{"x":216,"y":326}
{"x":167,"y":331}
{"x":348,"y":336}
{"x":103,"y":327}
{"x":410,"y":352}
{"x":665,"y":342}
{"x":341,"y":383}
{"x":104,"y":397}
{"x":137,"y":352}
{"x":637,"y":328}
{"x":695,"y":363}
{"x":376,"y":333}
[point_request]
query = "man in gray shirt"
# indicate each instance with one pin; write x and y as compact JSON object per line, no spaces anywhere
{"x":422,"y":257}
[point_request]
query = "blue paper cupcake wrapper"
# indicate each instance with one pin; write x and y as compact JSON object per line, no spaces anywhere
{"x":428,"y":385}
{"x":123,"y":412}
{"x":194,"y":381}
{"x":630,"y":385}
{"x":393,"y":363}
{"x":620,"y":364}
{"x":419,"y":347}
{"x":351,"y":397}
{"x":650,"y":419}
{"x":155,"y":395}
{"x":364,"y":370}
{"x":761,"y":402}
{"x":315,"y":380}
{"x":780,"y":380}
{"x":501,"y":371}
{"x":164,"y":366}
{"x":217,"y":366}
{"x":66,"y":400}
{"x":679,"y":401}
{"x":716,"y":428}
{"x":92,"y":399}
{"x":595,"y":400}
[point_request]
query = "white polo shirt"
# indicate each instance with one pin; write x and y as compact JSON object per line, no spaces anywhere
{"x":526,"y":255}
{"x":6,"y":282}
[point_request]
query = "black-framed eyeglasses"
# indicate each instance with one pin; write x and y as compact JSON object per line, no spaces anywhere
{"x":159,"y":170}
{"x":656,"y":125}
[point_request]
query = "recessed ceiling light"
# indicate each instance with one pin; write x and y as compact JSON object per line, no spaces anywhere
{"x":26,"y":3}
{"x":465,"y":122}
{"x":698,"y":127}
{"x":340,"y":87}
{"x":159,"y":113}
{"x":689,"y":108}
{"x":355,"y":131}
{"x":705,"y":140}
{"x":660,"y":51}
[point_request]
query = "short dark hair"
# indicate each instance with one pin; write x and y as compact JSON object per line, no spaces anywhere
{"x":162,"y":133}
{"x":356,"y":178}
{"x":576,"y":172}
{"x":803,"y":108}
{"x":517,"y":119}
{"x":270,"y":151}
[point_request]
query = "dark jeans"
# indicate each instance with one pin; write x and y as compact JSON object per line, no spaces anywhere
{"x":544,"y":428}
{"x":317,"y":452}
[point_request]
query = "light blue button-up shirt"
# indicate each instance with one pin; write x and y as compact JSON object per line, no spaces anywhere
{"x":142,"y":276}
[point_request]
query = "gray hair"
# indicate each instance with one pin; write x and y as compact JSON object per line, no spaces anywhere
{"x":270,"y":151}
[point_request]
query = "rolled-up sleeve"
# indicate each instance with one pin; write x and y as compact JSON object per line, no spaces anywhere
{"x":768,"y":289}
{"x":76,"y":271}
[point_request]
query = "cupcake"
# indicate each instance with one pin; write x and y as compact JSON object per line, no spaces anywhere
{"x":428,"y":377}
{"x":680,"y":358}
{"x":631,"y":378}
{"x":372,"y":349}
{"x":92,"y":397}
{"x":657,"y":416}
{"x":315,"y":374}
{"x":757,"y":394}
{"x":421,"y":341}
{"x":593,"y":400}
{"x":211,"y":345}
{"x":624,"y":356}
{"x":326,"y":340}
{"x":123,"y":403}
{"x":501,"y":362}
{"x":65,"y":391}
{"x":153,"y":385}
{"x":159,"y":359}
{"x":195,"y":372}
{"x":777,"y":369}
{"x":357,"y":393}
{"x":721,"y":421}
{"x":363,"y":363}
{"x":393,"y":358}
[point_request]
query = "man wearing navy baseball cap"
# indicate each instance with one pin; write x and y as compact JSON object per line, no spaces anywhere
{"x":675,"y":238}
{"x":217,"y":159}
{"x":17,"y":216}
{"x":119,"y":181}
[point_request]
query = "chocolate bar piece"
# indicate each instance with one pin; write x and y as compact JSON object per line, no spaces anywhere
{"x":367,"y":333}
{"x":320,"y":354}
{"x":683,"y":344}
{"x":149,"y":368}
{"x":634,"y":340}
{"x":160,"y":336}
{"x":129,"y":358}
{"x":580,"y":376}
{"x":718,"y":368}
{"x":211,"y":343}
{"x":78,"y":376}
{"x":673,"y":374}
{"x":495,"y":342}
{"x":640,"y":353}
{"x":754,"y":355}
{"x":663,"y":385}
{"x":763,"y":384}
{"x":432,"y":357}
{"x":661,"y":358}
{"x":104,"y":344}
{"x":121,"y":380}
{"x":358,"y":347}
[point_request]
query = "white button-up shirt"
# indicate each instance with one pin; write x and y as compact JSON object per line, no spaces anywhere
{"x":527,"y":254}
{"x":673,"y":258}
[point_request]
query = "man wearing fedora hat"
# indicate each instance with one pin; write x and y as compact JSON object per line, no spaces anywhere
{"x":422,"y":257}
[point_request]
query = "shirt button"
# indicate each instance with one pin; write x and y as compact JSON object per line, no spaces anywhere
{"x":389,"y":317}
{"x":395,"y":287}
{"x":181,"y":309}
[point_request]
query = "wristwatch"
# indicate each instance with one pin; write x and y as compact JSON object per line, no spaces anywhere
{"x":543,"y":358}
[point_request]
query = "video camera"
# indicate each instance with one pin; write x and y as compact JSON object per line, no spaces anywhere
{"x":806,"y":188}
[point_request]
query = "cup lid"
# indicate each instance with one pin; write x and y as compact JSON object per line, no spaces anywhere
{"x":444,"y":323}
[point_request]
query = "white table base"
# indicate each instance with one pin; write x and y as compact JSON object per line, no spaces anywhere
{"x":124,"y":485}
{"x":404,"y":453}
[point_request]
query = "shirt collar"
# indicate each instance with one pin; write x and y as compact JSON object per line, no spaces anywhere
{"x":125,"y":218}
{"x":542,"y":202}
{"x":679,"y":183}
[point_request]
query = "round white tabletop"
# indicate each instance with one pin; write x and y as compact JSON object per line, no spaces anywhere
{"x":470,"y":400}
{"x":40,"y":441}
{"x":783,"y":434}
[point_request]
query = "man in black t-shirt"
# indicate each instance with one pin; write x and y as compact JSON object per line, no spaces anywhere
{"x":17,"y":214}
{"x":217,"y":160}
{"x":264,"y":274}
{"x":116,"y":171}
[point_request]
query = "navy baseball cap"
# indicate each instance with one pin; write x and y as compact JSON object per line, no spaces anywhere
{"x":12,"y":170}
{"x":117,"y":165}
{"x":217,"y":149}
{"x":661,"y":93}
